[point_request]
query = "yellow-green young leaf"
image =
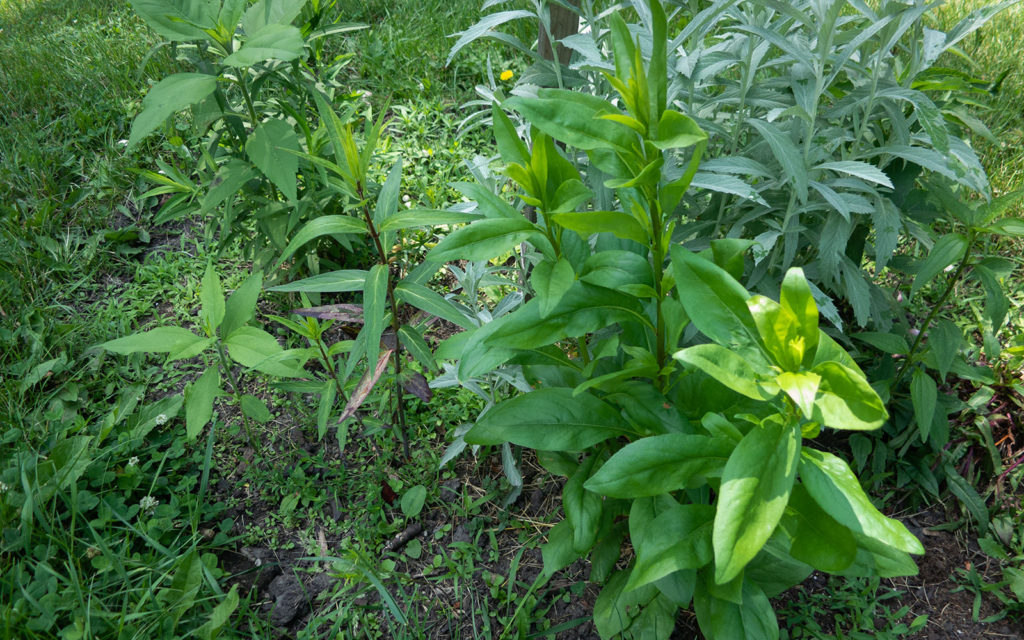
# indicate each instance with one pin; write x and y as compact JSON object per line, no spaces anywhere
{"x":268,"y":148}
{"x":550,"y":420}
{"x":211,"y":296}
{"x":796,"y":297}
{"x":755,"y":490}
{"x":582,"y":508}
{"x":677,"y":539}
{"x":199,"y":401}
{"x":833,"y":486}
{"x":846,"y":400}
{"x":818,"y":539}
{"x":618,"y":223}
{"x":778,"y":329}
{"x":170,"y":95}
{"x":483,"y":240}
{"x":726,"y":366}
{"x":924,"y":395}
{"x":159,"y":340}
{"x":801,"y":387}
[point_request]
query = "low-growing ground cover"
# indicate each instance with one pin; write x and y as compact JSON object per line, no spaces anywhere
{"x":115,"y":525}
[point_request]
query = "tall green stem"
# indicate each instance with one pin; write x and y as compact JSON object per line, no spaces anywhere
{"x":238,"y":394}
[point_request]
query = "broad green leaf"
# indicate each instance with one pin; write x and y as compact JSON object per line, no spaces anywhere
{"x":846,"y":400}
{"x":572,"y":118}
{"x":331,"y":282}
{"x":412,"y":500}
{"x":622,"y":225}
{"x":678,"y":538}
{"x":660,"y":464}
{"x":924,"y":395}
{"x":428,"y":300}
{"x":426,"y":218}
{"x":375,"y":306}
{"x":319,"y":227}
{"x":875,"y":559}
{"x":885,"y":342}
{"x":211,"y":297}
{"x":613,"y":269}
{"x":170,"y":95}
{"x":483,"y":240}
{"x":551,"y":420}
{"x":159,"y":340}
{"x":551,"y":282}
{"x":714,"y":301}
{"x":1008,"y":227}
{"x":818,"y":539}
{"x":268,"y":12}
{"x":242,"y":303}
{"x":272,"y":42}
{"x":199,"y":401}
{"x":862,"y":170}
{"x":724,"y":620}
{"x":787,"y":154}
{"x":179,"y":21}
{"x":676,"y":131}
{"x":219,"y":616}
{"x":255,"y":409}
{"x":582,"y":508}
{"x":227,"y":182}
{"x":944,"y":341}
{"x":557,"y":552}
{"x":725,"y":366}
{"x":268,"y":148}
{"x":836,"y":490}
{"x":947,"y":250}
{"x":249,"y":346}
{"x":615,"y":608}
{"x":755,"y":491}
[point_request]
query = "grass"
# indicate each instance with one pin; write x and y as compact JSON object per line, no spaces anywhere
{"x":110,"y":525}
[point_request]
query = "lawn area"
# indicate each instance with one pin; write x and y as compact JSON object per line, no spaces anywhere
{"x":316,"y":327}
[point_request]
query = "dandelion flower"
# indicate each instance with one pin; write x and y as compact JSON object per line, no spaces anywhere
{"x":506,"y":75}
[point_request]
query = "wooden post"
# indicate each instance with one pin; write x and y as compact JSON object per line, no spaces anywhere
{"x":564,"y":22}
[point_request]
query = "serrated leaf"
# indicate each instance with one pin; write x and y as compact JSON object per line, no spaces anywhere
{"x":862,"y":170}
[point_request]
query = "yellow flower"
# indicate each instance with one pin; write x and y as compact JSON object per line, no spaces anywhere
{"x":506,"y":75}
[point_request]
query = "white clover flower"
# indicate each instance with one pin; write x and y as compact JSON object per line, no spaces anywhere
{"x":406,"y":198}
{"x":161,"y":419}
{"x":148,"y":503}
{"x":133,"y":461}
{"x":3,"y":488}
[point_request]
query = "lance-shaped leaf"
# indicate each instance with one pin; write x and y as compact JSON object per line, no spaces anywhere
{"x":331,"y":282}
{"x":833,"y":486}
{"x":582,"y":508}
{"x":159,"y":340}
{"x":242,"y":303}
{"x":211,"y":296}
{"x":946,"y":251}
{"x":755,"y":490}
{"x":170,"y":95}
{"x":416,"y":218}
{"x":322,"y":226}
{"x":573,"y":118}
{"x":550,"y":420}
{"x":375,"y":301}
{"x":551,"y":282}
{"x":618,"y":223}
{"x":676,"y":131}
{"x":199,"y":401}
{"x":924,"y":395}
{"x":430,"y":301}
{"x":365,"y":386}
{"x":660,"y":464}
{"x":483,"y":240}
{"x":714,"y":301}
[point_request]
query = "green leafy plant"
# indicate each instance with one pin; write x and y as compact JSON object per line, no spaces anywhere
{"x":226,"y":337}
{"x":251,"y":99}
{"x":689,"y":400}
